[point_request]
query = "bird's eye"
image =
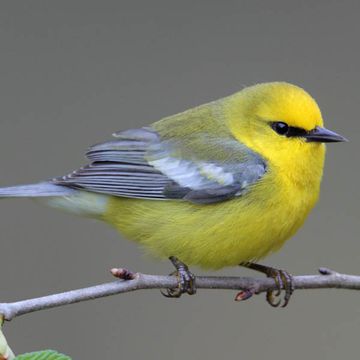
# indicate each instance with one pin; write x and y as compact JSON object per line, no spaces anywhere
{"x":280,"y":127}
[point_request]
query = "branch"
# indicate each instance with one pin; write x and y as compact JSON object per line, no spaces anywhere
{"x":326,"y":279}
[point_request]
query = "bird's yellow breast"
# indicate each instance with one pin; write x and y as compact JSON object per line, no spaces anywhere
{"x":227,"y":233}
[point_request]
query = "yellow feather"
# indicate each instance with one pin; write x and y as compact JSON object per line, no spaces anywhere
{"x":250,"y":226}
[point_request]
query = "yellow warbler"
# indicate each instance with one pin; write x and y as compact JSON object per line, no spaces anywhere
{"x":218,"y":185}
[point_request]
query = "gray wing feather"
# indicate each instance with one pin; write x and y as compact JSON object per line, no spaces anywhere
{"x":139,"y":164}
{"x":43,"y":189}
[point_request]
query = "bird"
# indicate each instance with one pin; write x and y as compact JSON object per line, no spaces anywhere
{"x":219,"y":185}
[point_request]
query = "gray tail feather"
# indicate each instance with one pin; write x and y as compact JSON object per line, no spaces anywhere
{"x":42,"y":189}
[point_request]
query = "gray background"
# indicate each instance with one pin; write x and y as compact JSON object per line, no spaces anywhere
{"x":73,"y":72}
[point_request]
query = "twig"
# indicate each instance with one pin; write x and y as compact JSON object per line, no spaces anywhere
{"x":327,"y":279}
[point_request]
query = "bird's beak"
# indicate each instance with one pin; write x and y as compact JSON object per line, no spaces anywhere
{"x":320,"y":134}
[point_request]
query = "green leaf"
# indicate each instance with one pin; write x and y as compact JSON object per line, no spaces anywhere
{"x":43,"y":355}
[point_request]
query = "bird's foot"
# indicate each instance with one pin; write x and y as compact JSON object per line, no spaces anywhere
{"x":186,"y":280}
{"x":283,"y":281}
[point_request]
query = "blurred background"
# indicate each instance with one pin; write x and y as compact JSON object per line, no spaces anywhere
{"x":73,"y":72}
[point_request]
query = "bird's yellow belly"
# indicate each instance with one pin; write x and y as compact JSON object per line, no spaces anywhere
{"x":217,"y":235}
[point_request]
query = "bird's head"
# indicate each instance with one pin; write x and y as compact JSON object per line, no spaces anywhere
{"x":281,"y":122}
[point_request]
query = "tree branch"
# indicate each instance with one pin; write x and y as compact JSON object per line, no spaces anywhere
{"x":326,"y":279}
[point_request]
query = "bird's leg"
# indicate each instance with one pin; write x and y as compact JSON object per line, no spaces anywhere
{"x":186,"y":280}
{"x":282,"y":278}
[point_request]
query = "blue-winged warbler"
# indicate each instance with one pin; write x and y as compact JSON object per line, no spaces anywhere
{"x":218,"y":185}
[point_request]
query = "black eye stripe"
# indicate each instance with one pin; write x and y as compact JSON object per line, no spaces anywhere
{"x":296,"y":132}
{"x":284,"y":129}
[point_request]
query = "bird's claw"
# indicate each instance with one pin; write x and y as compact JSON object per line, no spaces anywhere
{"x":186,"y":280}
{"x":283,"y":280}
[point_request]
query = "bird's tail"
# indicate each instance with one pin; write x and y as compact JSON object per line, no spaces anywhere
{"x":60,"y":197}
{"x":43,"y":189}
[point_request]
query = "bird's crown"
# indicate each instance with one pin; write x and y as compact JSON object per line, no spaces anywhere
{"x":281,"y":101}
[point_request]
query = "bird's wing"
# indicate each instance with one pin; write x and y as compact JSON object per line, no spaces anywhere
{"x":139,"y":163}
